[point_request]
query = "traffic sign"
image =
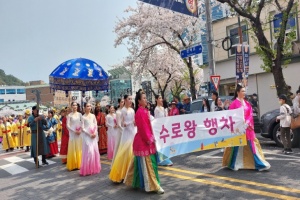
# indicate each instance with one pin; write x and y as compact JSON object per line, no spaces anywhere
{"x":191,"y":51}
{"x":215,"y":80}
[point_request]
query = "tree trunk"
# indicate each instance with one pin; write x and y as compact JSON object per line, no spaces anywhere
{"x":280,"y":84}
{"x":192,"y":78}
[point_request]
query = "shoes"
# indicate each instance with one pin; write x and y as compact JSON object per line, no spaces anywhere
{"x":284,"y":150}
{"x":45,"y":162}
{"x":160,"y":191}
{"x":288,"y":151}
{"x":6,"y":150}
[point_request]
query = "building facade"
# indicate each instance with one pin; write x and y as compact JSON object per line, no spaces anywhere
{"x":49,"y":98}
{"x":12,"y":93}
{"x":259,"y":81}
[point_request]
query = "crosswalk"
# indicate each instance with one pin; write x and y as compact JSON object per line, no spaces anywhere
{"x":18,"y":164}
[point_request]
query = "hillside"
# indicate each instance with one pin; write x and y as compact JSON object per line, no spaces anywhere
{"x":9,"y":79}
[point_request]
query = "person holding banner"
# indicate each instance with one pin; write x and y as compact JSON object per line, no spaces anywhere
{"x":142,"y":172}
{"x":159,"y":112}
{"x":251,"y":155}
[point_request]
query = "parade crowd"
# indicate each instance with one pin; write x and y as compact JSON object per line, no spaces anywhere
{"x":125,"y":134}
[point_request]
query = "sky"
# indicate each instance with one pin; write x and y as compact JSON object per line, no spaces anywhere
{"x":38,"y":35}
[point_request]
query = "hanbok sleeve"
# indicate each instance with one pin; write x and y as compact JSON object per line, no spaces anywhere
{"x":249,"y":117}
{"x":144,"y":127}
{"x":84,"y":128}
{"x":107,"y":122}
{"x":233,"y":105}
{"x":156,"y":112}
{"x":69,"y":124}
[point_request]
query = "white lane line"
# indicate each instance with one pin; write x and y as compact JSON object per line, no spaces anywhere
{"x":13,"y":168}
{"x":14,"y":159}
{"x":209,"y":154}
{"x":281,"y":154}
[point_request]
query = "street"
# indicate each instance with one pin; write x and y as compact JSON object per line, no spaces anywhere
{"x":194,"y":176}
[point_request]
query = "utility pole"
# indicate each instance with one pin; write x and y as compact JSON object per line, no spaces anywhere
{"x":210,"y":39}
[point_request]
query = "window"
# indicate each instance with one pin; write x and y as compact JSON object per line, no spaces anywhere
{"x":2,"y":91}
{"x":10,"y":91}
{"x":234,"y":36}
{"x":21,"y":91}
{"x":1,"y":100}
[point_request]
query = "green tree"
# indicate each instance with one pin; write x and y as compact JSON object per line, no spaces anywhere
{"x":273,"y":59}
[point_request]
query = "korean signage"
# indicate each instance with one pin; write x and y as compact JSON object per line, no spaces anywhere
{"x":242,"y":64}
{"x":197,"y":49}
{"x":196,"y":132}
{"x":188,"y":7}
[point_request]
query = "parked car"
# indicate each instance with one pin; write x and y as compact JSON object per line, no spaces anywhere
{"x":271,"y":129}
{"x":197,"y":104}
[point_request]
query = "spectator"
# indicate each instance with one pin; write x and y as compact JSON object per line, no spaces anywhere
{"x":186,"y":109}
{"x":178,"y":103}
{"x":219,"y":106}
{"x":174,"y":110}
{"x":214,"y":103}
{"x":291,"y":94}
{"x":226,"y":104}
{"x":285,"y":123}
{"x":205,"y":105}
{"x":296,"y":103}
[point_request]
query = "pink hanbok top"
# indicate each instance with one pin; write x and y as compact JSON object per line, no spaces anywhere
{"x":144,"y":142}
{"x":248,"y":117}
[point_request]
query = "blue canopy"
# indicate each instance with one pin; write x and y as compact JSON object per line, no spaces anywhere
{"x":79,"y":74}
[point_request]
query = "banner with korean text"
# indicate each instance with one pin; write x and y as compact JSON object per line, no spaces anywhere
{"x":200,"y":131}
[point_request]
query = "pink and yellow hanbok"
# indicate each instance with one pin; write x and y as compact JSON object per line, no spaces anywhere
{"x":90,"y":162}
{"x":251,"y":155}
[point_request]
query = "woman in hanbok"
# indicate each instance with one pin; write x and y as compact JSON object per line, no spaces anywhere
{"x":251,"y":155}
{"x":100,"y":117}
{"x":75,"y":141}
{"x":90,"y":163}
{"x":112,"y":132}
{"x":159,"y":112}
{"x":51,"y":134}
{"x":119,"y":128}
{"x":124,"y":154}
{"x":143,"y":172}
{"x":65,"y":136}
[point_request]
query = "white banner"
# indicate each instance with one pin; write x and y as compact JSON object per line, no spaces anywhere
{"x":201,"y":131}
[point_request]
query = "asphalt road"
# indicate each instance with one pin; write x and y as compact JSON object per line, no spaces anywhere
{"x":194,"y":176}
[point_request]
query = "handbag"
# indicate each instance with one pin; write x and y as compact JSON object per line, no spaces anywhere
{"x":295,"y":122}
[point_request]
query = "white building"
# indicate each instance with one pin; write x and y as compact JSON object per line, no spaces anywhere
{"x":12,"y":93}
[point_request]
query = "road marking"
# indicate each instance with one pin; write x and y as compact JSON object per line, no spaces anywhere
{"x":234,"y":180}
{"x":233,"y":187}
{"x":283,"y":155}
{"x":13,"y":168}
{"x":14,"y":159}
{"x":209,"y":154}
{"x":228,"y":186}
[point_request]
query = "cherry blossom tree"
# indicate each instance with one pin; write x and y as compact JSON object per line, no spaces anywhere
{"x":154,"y":37}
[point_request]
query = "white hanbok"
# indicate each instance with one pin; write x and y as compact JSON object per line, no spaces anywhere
{"x":112,"y":134}
{"x":125,"y":153}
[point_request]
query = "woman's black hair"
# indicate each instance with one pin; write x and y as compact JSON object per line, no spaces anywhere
{"x":207,"y":105}
{"x":217,"y":96}
{"x":73,"y":103}
{"x":156,"y":98}
{"x":126,"y":96}
{"x":237,"y":89}
{"x":51,"y":112}
{"x":138,"y":97}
